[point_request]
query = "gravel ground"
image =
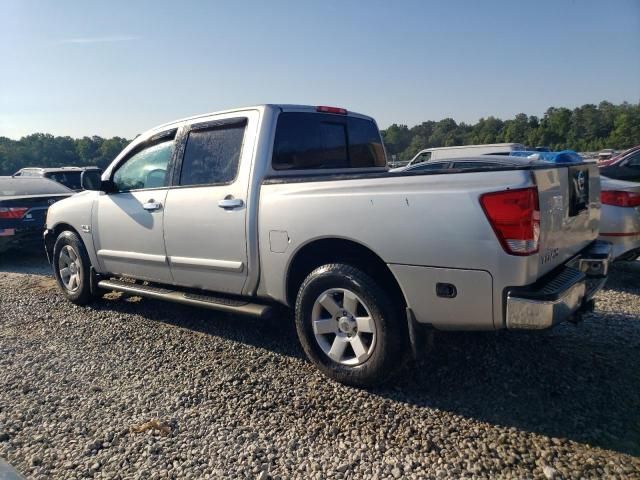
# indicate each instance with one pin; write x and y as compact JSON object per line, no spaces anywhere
{"x":133,"y":388}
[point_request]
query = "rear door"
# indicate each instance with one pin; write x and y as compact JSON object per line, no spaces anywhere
{"x":128,"y":223}
{"x":206,"y":213}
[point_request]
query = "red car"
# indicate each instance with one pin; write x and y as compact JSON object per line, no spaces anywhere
{"x":619,"y":158}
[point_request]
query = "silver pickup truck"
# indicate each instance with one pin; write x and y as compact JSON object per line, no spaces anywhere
{"x":248,"y":209}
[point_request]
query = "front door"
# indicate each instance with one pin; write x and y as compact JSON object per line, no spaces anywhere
{"x":206,"y":212}
{"x":128,"y":223}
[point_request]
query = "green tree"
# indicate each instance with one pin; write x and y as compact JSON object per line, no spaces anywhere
{"x":516,"y":130}
{"x":626,"y":129}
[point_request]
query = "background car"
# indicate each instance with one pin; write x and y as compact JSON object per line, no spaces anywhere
{"x":441,"y":153}
{"x":606,"y":154}
{"x":620,"y":217}
{"x":477,"y":162}
{"x":24,"y":202}
{"x":70,"y":177}
{"x":625,"y":166}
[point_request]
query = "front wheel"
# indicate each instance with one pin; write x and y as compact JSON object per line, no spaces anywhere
{"x":71,"y":267}
{"x":349,"y":327}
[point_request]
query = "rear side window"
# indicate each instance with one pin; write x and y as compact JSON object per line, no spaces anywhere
{"x":212,"y":155}
{"x":68,"y":179}
{"x":307,"y":141}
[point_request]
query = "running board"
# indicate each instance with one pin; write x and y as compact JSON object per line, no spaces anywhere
{"x":220,"y":303}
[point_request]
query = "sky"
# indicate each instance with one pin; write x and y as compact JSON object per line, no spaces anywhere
{"x":121,"y":67}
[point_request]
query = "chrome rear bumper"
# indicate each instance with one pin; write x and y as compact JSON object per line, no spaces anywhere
{"x":563,"y":294}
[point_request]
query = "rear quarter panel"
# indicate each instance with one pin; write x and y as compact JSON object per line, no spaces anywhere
{"x":424,"y":220}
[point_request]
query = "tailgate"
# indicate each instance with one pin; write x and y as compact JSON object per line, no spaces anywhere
{"x":569,"y":197}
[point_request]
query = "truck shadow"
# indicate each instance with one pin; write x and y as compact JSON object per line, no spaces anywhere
{"x":580,"y":383}
{"x":29,"y":261}
{"x":625,"y":277}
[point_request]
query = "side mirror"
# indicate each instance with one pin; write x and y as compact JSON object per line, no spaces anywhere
{"x":107,"y":186}
{"x":90,"y":180}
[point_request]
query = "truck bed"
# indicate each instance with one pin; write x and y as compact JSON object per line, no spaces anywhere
{"x":426,"y":226}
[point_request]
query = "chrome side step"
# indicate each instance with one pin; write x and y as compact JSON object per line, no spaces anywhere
{"x":224,"y":304}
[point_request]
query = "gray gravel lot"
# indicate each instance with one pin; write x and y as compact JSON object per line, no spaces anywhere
{"x":239,"y":400}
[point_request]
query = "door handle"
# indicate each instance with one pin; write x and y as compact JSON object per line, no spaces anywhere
{"x":230,"y":203}
{"x":152,"y":205}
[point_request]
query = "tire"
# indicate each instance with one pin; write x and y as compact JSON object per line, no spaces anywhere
{"x":328,"y":335}
{"x":69,"y":249}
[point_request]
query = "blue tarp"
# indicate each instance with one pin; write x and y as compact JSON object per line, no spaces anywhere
{"x":565,"y":156}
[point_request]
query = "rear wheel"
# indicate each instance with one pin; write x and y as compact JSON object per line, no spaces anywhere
{"x":71,"y":267}
{"x":349,"y":327}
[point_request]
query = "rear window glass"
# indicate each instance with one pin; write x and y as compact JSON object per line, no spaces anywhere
{"x":319,"y":141}
{"x":30,"y":186}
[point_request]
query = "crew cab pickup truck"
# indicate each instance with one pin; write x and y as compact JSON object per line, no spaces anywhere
{"x":248,"y":209}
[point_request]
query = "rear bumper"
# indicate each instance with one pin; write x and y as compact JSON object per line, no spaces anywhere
{"x":19,"y":238}
{"x":561,"y":295}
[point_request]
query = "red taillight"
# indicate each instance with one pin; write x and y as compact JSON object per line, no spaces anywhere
{"x":620,"y":199}
{"x":339,"y":111}
{"x":12,"y":212}
{"x":515,"y":217}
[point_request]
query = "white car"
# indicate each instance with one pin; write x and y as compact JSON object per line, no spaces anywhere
{"x":431,"y":154}
{"x":620,"y":217}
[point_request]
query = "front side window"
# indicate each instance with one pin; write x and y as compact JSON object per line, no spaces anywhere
{"x":307,"y":141}
{"x":212,"y":156}
{"x":146,"y":168}
{"x":423,"y":157}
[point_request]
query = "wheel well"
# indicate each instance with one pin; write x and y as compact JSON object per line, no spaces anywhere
{"x":63,"y":227}
{"x":57,"y":230}
{"x":335,"y":250}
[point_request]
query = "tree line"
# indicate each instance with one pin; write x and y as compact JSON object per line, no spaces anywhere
{"x":45,"y":150}
{"x":584,"y":129}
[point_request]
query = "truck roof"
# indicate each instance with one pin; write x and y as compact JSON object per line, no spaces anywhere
{"x":282,"y":106}
{"x":58,"y":169}
{"x":483,"y":145}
